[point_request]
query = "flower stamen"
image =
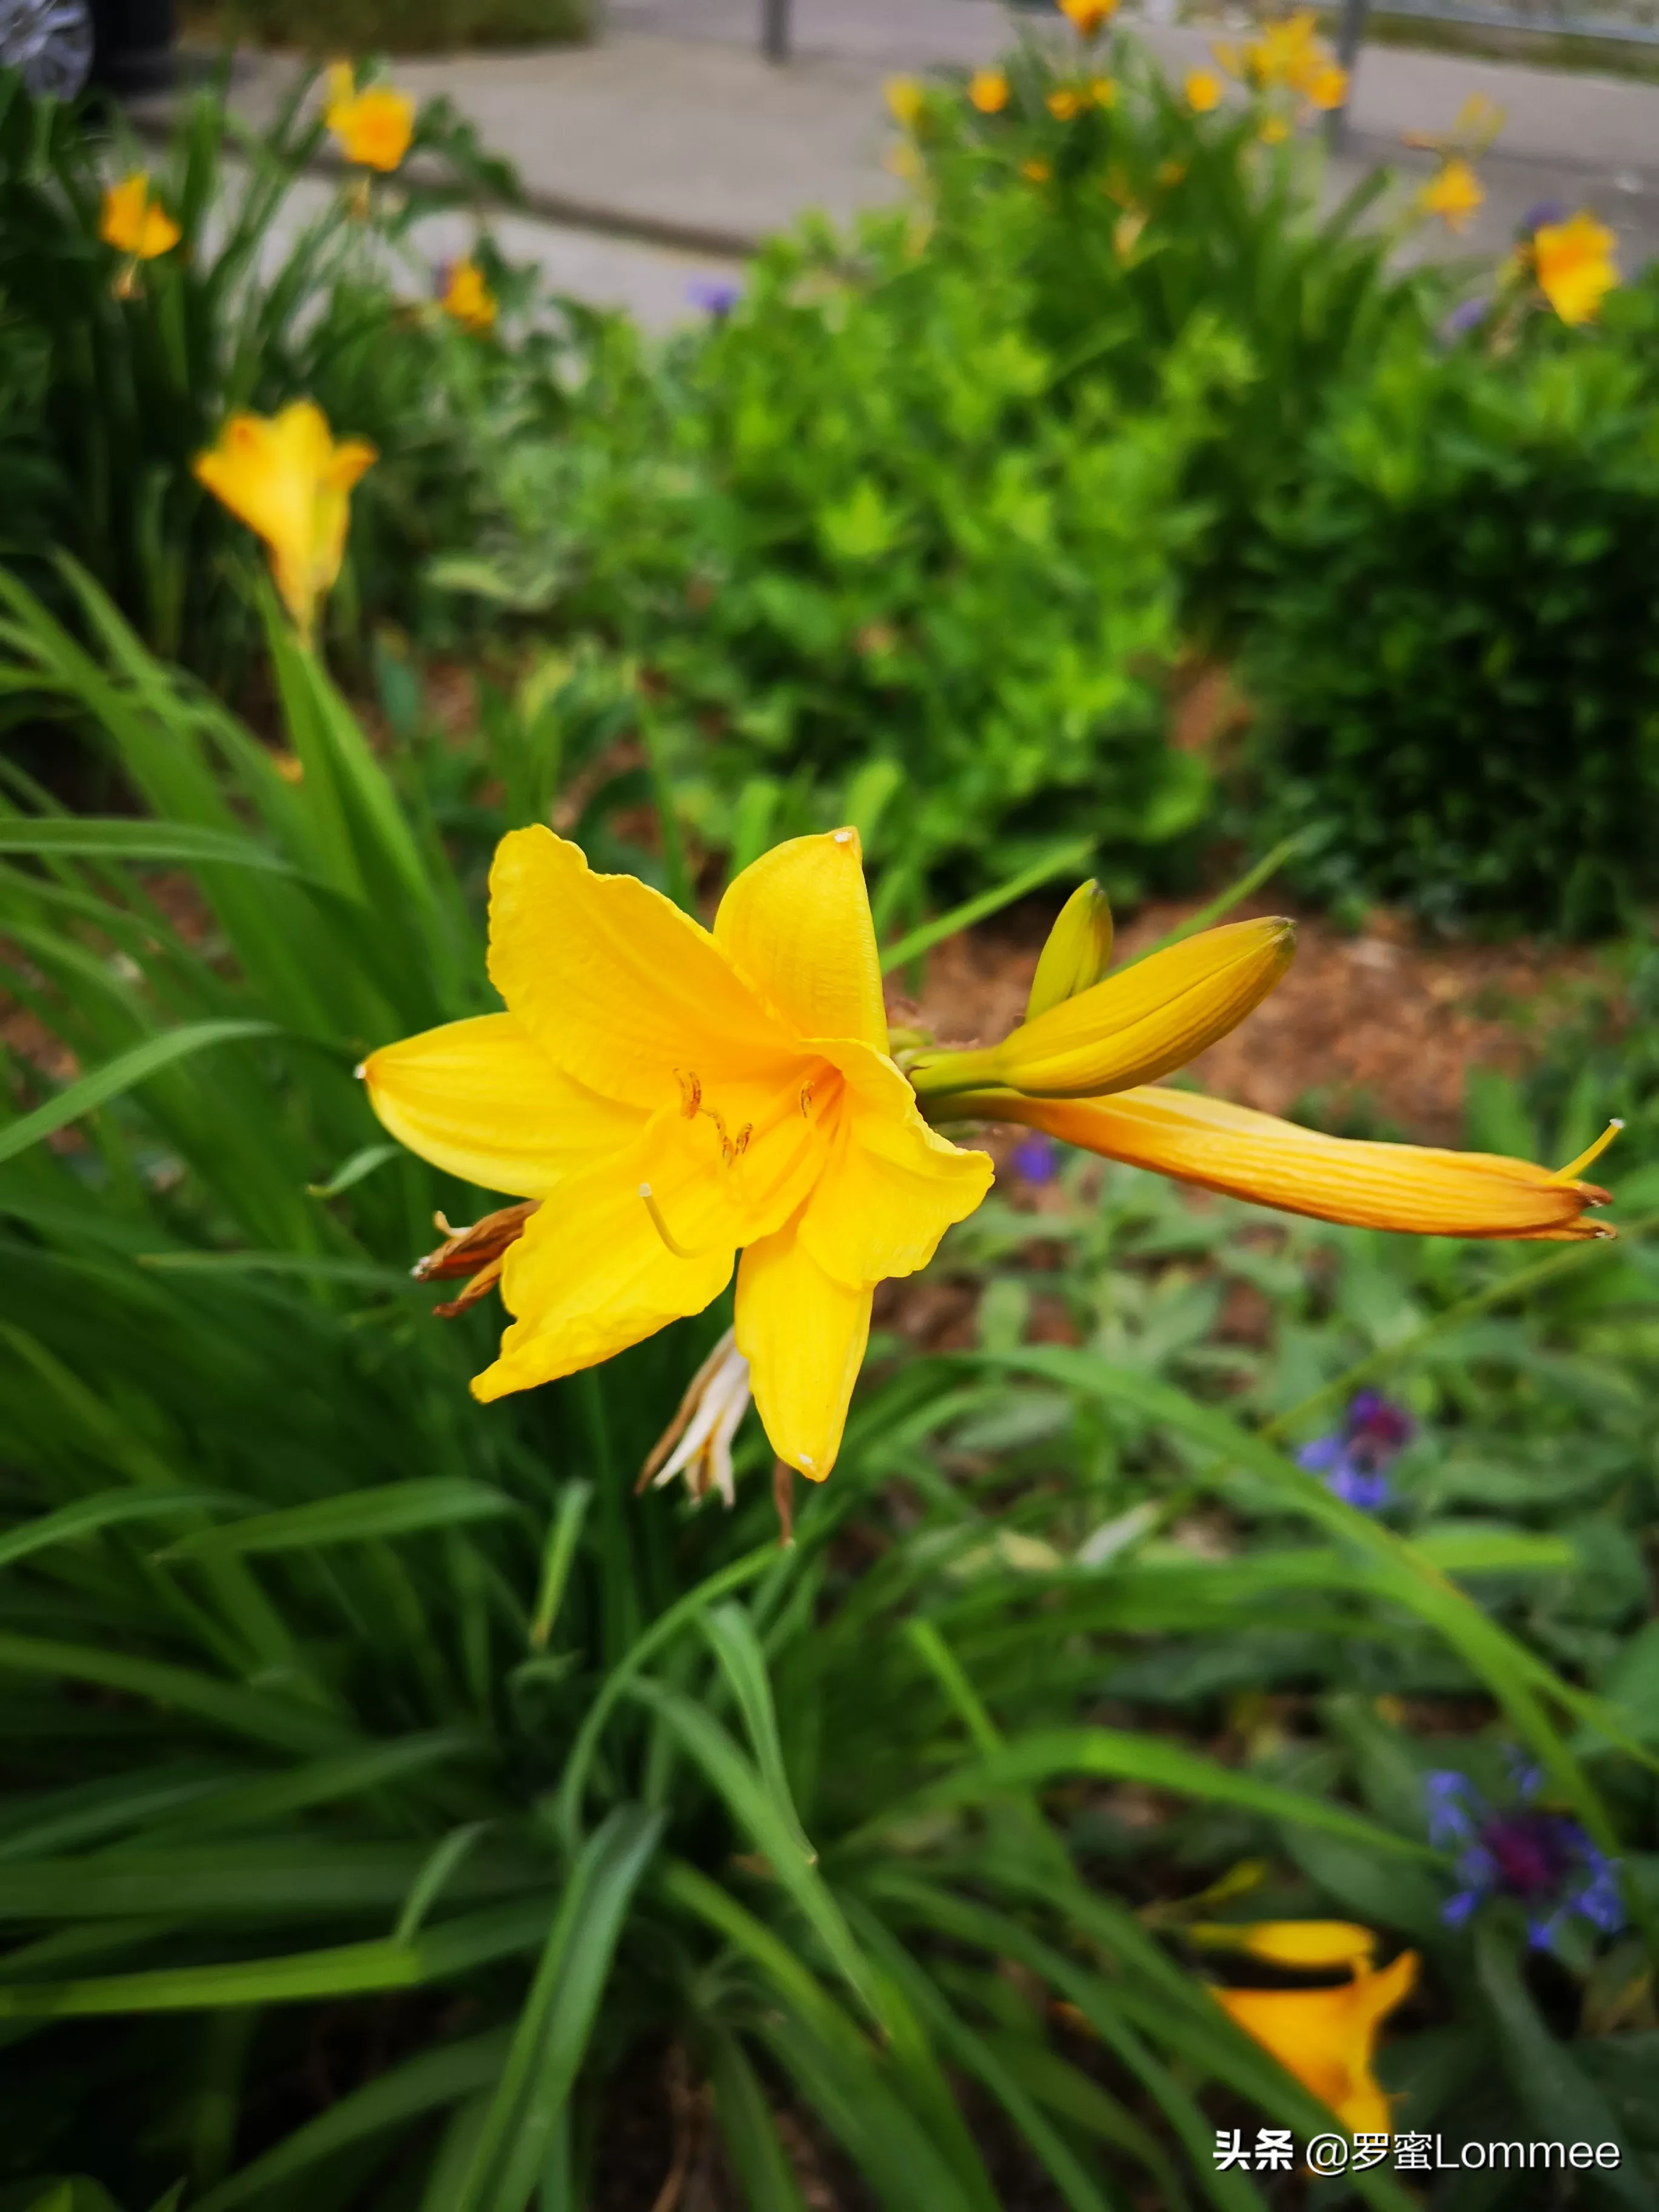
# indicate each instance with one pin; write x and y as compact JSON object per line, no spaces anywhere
{"x":1588,"y":1156}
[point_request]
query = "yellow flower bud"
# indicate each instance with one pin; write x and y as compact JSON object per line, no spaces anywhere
{"x":1078,"y":953}
{"x":1159,"y":1014}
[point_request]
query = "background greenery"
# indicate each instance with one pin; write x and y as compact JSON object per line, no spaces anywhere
{"x":408,"y":26}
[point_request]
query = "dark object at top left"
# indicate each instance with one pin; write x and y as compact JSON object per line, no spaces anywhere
{"x":60,"y":46}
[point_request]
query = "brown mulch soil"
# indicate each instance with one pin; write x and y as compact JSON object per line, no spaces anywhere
{"x":1371,"y":1034}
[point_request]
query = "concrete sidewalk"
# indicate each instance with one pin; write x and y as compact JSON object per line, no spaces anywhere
{"x":674,"y":132}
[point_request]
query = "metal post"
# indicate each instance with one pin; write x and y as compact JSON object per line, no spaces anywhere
{"x":1349,"y":39}
{"x":775,"y":30}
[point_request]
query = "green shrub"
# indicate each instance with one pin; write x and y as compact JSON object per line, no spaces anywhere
{"x":386,"y":1787}
{"x":112,"y":388}
{"x":1455,"y":644}
{"x":874,"y":574}
{"x":411,"y":26}
{"x":1152,"y":220}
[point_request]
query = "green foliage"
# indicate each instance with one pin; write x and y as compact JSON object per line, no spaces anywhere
{"x":111,"y":387}
{"x":1152,"y":220}
{"x":874,"y":573}
{"x":411,"y":26}
{"x":386,"y":1785}
{"x":1454,"y":648}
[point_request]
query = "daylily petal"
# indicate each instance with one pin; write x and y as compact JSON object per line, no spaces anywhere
{"x":1141,"y":1022}
{"x":482,"y":1100}
{"x":1418,"y":1189}
{"x":592,"y":1274}
{"x":616,"y":984}
{"x":891,"y":1185}
{"x":804,"y":1335}
{"x":797,"y":925}
{"x":1292,"y":1942}
{"x":1326,"y":2038}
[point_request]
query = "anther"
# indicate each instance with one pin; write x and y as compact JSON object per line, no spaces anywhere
{"x":690,"y":1093}
{"x":806,"y":1102}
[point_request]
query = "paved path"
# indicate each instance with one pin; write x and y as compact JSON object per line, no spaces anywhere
{"x":665,"y":151}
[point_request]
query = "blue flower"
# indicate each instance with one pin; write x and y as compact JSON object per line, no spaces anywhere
{"x":1542,"y":1859}
{"x":1036,"y":1159}
{"x":1354,"y":1459}
{"x":1541,"y":216}
{"x":716,"y":296}
{"x":1467,"y":316}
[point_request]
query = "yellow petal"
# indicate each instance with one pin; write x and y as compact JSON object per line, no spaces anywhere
{"x":891,"y":1185}
{"x":592,"y":1274}
{"x":1417,"y":1188}
{"x":1292,"y":1942}
{"x":482,"y":1100}
{"x":626,"y":992}
{"x":1327,"y":2038}
{"x":804,"y":1335}
{"x":1141,"y":1022}
{"x":797,"y":925}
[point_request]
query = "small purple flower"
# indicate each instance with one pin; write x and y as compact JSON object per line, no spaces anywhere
{"x":1467,"y":316}
{"x":1542,"y":1859}
{"x":716,"y":296}
{"x":1354,"y":1459}
{"x":1539,"y":215}
{"x":1035,"y":1158}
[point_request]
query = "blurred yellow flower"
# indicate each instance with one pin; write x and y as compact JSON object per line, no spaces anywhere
{"x":1125,"y":233}
{"x":132,"y":223}
{"x":1087,"y":17}
{"x":905,"y":99}
{"x":1170,"y":173}
{"x":681,"y":1095}
{"x":1453,"y":193}
{"x":1327,"y":2038}
{"x":1065,"y":103}
{"x":1036,"y":173}
{"x":1203,"y":89}
{"x":468,"y":298}
{"x":1575,"y":266}
{"x":1230,"y":57}
{"x":1326,"y":87}
{"x":1274,"y":130}
{"x":1287,"y":53}
{"x":988,"y":90}
{"x":1292,"y":1943}
{"x":1103,"y":90}
{"x":904,"y":160}
{"x":285,"y":477}
{"x":375,"y":126}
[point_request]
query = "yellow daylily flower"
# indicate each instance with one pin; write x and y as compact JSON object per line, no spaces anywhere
{"x":1203,"y":90}
{"x":1088,"y":17}
{"x":375,"y":126}
{"x":1416,"y":1189}
{"x":1275,"y":131}
{"x":1292,"y":1943}
{"x":1036,"y":173}
{"x":1575,"y":266}
{"x":1065,"y":102}
{"x":905,"y":100}
{"x":674,"y":1097}
{"x":1327,"y":86}
{"x":285,"y":477}
{"x":1454,"y":193}
{"x":1287,"y":53}
{"x":1327,"y":2038}
{"x":133,"y":222}
{"x":1103,"y":90}
{"x":468,"y":298}
{"x":989,"y":90}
